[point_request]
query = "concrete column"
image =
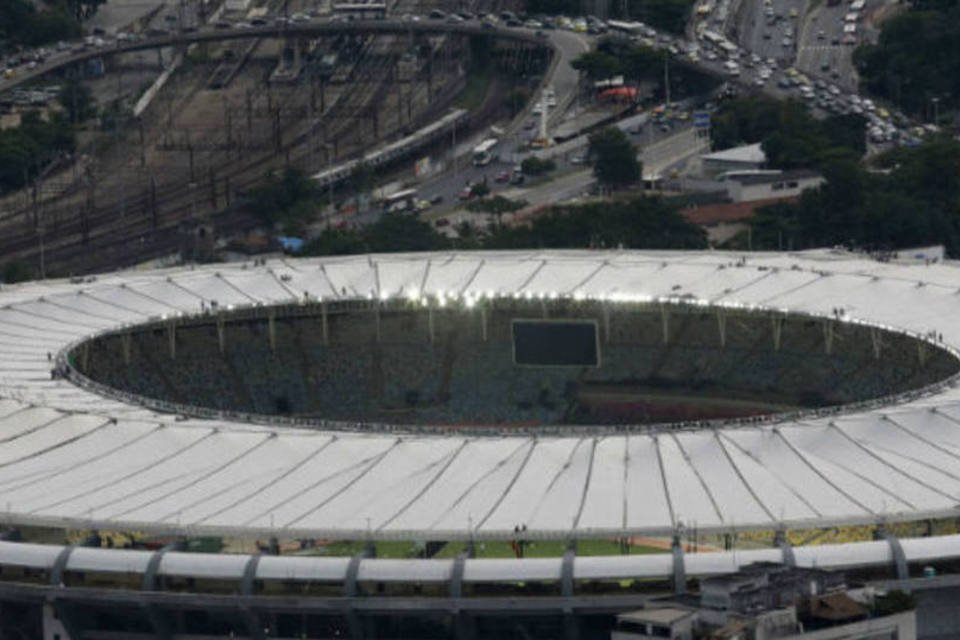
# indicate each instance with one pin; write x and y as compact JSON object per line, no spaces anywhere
{"x":679,"y":570}
{"x":606,"y":322}
{"x":272,"y":331}
{"x":722,"y":327}
{"x":172,"y":334}
{"x":777,"y":331}
{"x":665,"y":321}
{"x":125,"y":342}
{"x":221,"y":335}
{"x":828,"y":337}
{"x":326,"y":330}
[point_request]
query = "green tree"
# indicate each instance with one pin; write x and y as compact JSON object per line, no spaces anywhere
{"x":597,"y":65}
{"x":497,"y":205}
{"x":77,"y":100}
{"x":84,"y":9}
{"x":615,"y":161}
{"x":638,"y":223}
{"x":360,"y":179}
{"x":22,"y":24}
{"x":480,"y":189}
{"x":894,"y":602}
{"x":287,"y":199}
{"x":16,"y":271}
{"x":911,"y":205}
{"x":791,"y":137}
{"x":534,"y":166}
{"x":916,"y":59}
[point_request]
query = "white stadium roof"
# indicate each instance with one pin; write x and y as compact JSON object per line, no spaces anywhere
{"x":70,"y":457}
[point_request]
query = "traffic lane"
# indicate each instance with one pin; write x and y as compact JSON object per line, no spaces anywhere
{"x":823,"y":47}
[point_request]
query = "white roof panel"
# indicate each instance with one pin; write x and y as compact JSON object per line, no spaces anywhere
{"x":131,"y":473}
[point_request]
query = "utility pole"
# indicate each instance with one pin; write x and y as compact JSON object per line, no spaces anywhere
{"x":666,"y":81}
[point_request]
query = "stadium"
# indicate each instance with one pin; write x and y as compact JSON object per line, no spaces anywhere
{"x":573,"y":400}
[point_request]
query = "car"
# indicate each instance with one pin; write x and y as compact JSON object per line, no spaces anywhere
{"x":578,"y":159}
{"x":436,"y":199}
{"x":793,"y":13}
{"x":766,"y":35}
{"x":786,"y":42}
{"x":436,"y":14}
{"x":835,"y":40}
{"x":821,"y":35}
{"x":529,"y":124}
{"x":503,"y":176}
{"x":441,"y":222}
{"x":466,"y":193}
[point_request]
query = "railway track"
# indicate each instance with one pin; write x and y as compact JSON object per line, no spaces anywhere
{"x":100,"y":238}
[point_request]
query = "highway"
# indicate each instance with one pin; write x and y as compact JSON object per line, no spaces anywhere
{"x":314,"y":28}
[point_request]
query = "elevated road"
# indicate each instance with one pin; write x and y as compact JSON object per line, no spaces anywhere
{"x":296,"y":30}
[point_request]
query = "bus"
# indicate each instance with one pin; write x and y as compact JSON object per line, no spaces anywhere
{"x":482,"y":153}
{"x":629,"y":29}
{"x":405,"y":200}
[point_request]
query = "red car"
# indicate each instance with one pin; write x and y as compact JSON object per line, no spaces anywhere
{"x":503,"y":176}
{"x":466,"y":194}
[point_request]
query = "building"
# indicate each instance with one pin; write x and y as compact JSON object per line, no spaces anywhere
{"x":673,"y":623}
{"x":767,"y":601}
{"x":743,"y":158}
{"x":751,"y":187}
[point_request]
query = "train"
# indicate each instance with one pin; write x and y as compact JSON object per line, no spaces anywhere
{"x":395,"y":150}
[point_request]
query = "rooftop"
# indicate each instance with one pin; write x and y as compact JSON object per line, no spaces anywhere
{"x":747,"y":153}
{"x":662,"y":615}
{"x":796,"y":174}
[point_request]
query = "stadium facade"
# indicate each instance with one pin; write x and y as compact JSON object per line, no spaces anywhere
{"x":75,"y":454}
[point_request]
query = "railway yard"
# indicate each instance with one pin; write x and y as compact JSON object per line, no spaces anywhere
{"x":168,"y":180}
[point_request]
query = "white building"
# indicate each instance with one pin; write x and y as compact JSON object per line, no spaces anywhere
{"x":765,"y":186}
{"x":666,"y":623}
{"x":743,"y":158}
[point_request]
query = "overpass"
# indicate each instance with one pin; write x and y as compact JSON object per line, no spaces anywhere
{"x":286,"y":30}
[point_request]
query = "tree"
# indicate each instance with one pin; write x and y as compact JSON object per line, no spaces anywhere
{"x":16,"y":272}
{"x":360,"y":179}
{"x":77,"y":100}
{"x":534,"y":166}
{"x":84,"y":9}
{"x":597,"y":65}
{"x":916,"y":58}
{"x":638,"y":223}
{"x":615,"y":161}
{"x":480,"y":189}
{"x":22,"y":24}
{"x":894,"y":602}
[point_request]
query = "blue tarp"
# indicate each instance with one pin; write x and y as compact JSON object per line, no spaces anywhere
{"x":293,"y":245}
